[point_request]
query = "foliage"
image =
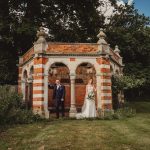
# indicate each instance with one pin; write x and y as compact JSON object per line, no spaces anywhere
{"x":130,"y":133}
{"x":126,"y":112}
{"x":130,"y":30}
{"x":120,"y":83}
{"x":12,"y":109}
{"x":69,"y":21}
{"x":122,"y":113}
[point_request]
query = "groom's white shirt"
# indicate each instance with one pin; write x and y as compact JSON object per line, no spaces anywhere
{"x":58,"y":86}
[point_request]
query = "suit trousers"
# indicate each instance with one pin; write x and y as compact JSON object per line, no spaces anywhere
{"x":59,"y":104}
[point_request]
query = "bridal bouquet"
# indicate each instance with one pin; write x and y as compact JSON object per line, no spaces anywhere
{"x":91,"y":95}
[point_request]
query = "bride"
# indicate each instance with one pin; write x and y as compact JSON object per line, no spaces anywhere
{"x":88,"y":108}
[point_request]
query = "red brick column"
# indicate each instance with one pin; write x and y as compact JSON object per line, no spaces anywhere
{"x":105,"y":83}
{"x":38,"y":85}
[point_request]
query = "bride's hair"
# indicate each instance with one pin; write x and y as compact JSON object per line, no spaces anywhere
{"x":90,"y":79}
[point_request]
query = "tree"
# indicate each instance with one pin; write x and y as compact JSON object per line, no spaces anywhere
{"x":68,"y":21}
{"x":71,"y":21}
{"x":130,"y":30}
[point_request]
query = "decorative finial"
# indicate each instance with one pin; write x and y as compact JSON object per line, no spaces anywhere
{"x":41,"y":32}
{"x":117,"y":49}
{"x":101,"y":37}
{"x":40,"y":46}
{"x":41,"y":35}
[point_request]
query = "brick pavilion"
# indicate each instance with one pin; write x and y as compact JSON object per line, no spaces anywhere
{"x":73,"y":64}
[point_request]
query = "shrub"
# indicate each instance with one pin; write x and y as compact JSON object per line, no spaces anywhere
{"x":126,"y":112}
{"x":121,"y":113}
{"x":12,"y":110}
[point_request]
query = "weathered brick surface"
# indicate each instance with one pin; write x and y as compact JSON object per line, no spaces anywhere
{"x":105,"y":82}
{"x":72,"y":59}
{"x":38,"y":92}
{"x":38,"y":77}
{"x":38,"y":84}
{"x":72,"y":48}
{"x":38,"y":107}
{"x":103,"y":61}
{"x":105,"y":70}
{"x":40,"y":60}
{"x":107,"y":106}
{"x":19,"y":79}
{"x":38,"y":99}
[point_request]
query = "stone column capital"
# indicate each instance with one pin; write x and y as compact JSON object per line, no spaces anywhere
{"x":46,"y":75}
{"x":72,"y":76}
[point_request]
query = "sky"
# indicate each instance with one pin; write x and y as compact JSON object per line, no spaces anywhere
{"x":143,"y":6}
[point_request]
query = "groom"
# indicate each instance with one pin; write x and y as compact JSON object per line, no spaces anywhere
{"x":58,"y":96}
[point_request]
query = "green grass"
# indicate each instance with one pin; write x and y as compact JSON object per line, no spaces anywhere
{"x":128,"y":134}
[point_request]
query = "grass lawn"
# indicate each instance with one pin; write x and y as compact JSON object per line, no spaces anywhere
{"x":128,"y":134}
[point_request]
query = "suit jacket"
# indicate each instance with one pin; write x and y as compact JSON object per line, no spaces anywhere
{"x":59,"y":93}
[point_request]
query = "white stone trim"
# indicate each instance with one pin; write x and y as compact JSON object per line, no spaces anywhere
{"x":38,"y":88}
{"x":105,"y":94}
{"x":39,"y":66}
{"x":105,"y":74}
{"x":105,"y":87}
{"x":105,"y":80}
{"x":38,"y":95}
{"x":38,"y":81}
{"x":104,"y":66}
{"x":106,"y":101}
{"x":72,"y":65}
{"x":38,"y":103}
{"x":46,"y":111}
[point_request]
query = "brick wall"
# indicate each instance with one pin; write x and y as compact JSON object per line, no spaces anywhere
{"x":19,"y":79}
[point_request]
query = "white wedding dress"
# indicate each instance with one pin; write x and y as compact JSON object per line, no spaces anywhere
{"x":88,"y":108}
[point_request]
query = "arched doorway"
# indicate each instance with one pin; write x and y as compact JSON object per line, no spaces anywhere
{"x":59,"y":71}
{"x":25,"y":86}
{"x":30,"y":88}
{"x":84,"y":72}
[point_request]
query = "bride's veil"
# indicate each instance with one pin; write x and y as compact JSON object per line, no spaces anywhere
{"x":84,"y":104}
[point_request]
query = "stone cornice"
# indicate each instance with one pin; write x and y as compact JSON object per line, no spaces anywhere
{"x":31,"y":58}
{"x":73,"y":54}
{"x":121,"y":65}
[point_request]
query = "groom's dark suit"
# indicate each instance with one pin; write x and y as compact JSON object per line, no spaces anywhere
{"x":58,"y":97}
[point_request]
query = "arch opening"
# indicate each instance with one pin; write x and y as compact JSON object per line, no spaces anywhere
{"x":60,"y":71}
{"x":30,"y":88}
{"x":84,"y":72}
